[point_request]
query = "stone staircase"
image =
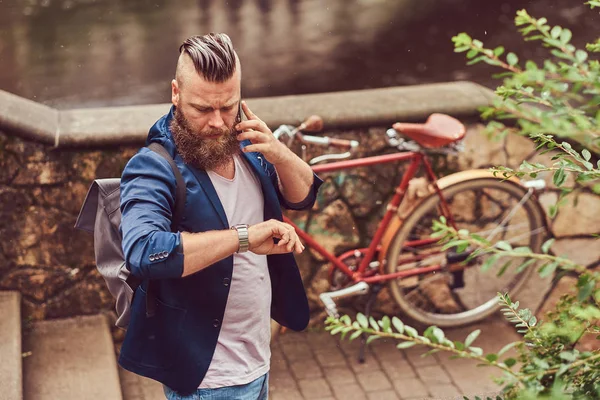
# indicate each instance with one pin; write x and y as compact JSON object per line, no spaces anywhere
{"x":68,"y":359}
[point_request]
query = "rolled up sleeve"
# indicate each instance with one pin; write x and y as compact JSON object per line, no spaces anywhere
{"x":306,"y":203}
{"x":148,"y":190}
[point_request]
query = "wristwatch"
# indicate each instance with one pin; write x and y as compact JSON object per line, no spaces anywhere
{"x":242,"y":231}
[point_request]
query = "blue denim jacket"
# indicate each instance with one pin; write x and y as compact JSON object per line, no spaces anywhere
{"x":176,"y":345}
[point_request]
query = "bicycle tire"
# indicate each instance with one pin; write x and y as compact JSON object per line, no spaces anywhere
{"x":536,"y":220}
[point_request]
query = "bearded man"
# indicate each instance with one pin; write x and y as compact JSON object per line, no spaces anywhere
{"x":229,"y":267}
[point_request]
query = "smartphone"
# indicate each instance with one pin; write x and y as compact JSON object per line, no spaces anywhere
{"x":238,"y":117}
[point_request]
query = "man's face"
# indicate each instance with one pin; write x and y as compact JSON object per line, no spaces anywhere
{"x":205,"y":118}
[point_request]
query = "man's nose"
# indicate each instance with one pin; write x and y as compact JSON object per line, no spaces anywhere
{"x":216,"y":120}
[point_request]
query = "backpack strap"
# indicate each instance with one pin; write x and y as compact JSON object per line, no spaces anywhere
{"x":180,"y":193}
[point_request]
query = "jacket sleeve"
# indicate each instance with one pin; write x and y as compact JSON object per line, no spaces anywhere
{"x":148,"y":190}
{"x":306,"y":203}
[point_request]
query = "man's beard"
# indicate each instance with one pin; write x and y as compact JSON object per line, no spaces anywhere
{"x":203,"y":153}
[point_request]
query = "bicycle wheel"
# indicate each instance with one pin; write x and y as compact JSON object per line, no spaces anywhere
{"x":459,"y":294}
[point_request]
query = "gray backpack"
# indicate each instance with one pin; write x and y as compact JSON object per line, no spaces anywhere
{"x":101,"y":215}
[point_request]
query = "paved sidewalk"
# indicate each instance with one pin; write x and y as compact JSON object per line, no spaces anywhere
{"x":316,"y":365}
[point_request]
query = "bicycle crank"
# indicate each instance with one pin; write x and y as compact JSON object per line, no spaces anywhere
{"x":327,"y":298}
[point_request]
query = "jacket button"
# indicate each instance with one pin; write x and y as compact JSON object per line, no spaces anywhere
{"x":216,"y":323}
{"x":226,"y":281}
{"x":151,"y":257}
{"x":165,"y":254}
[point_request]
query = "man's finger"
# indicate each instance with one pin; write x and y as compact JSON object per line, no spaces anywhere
{"x":254,"y":124}
{"x":253,"y":136}
{"x":259,"y":148}
{"x":247,"y":111}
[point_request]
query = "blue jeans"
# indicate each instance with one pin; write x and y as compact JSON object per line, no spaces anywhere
{"x":258,"y":389}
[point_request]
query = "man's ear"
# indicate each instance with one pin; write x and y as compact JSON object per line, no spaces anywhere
{"x":175,"y":92}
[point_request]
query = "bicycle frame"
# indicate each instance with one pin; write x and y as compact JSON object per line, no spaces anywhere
{"x":417,"y":159}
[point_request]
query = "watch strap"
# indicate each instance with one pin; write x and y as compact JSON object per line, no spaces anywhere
{"x":242,"y":231}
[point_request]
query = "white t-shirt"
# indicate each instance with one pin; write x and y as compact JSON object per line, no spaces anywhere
{"x":243,"y":349}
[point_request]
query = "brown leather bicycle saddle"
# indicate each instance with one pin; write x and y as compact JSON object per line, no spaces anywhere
{"x":438,"y":131}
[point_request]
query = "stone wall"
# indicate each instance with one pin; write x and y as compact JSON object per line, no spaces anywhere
{"x":52,"y":264}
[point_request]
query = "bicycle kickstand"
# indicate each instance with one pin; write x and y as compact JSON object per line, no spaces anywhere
{"x":375,"y":289}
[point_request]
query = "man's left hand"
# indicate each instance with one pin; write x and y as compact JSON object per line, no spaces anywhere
{"x":262,"y":138}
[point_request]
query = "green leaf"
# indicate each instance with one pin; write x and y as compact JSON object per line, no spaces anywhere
{"x":410,"y":331}
{"x":532,"y":321}
{"x":491,"y":357}
{"x":504,"y":268}
{"x":362,"y":320}
{"x":372,"y":337}
{"x":405,"y":345}
{"x":489,"y":262}
{"x":502,"y":245}
{"x":559,"y":177}
{"x":355,"y":334}
{"x":568,"y":356}
{"x":438,"y":334}
{"x":586,"y":154}
{"x":526,"y":264}
{"x":472,"y":53}
{"x":374,"y":324}
{"x":546,"y":246}
{"x":472,"y":336}
{"x":562,"y":369}
{"x":586,"y":290}
{"x":398,"y":325}
{"x":476,"y":350}
{"x":565,"y":36}
{"x":498,"y":51}
{"x":507,"y":347}
{"x":555,"y":32}
{"x":509,"y":362}
{"x":385,"y":323}
{"x":548,"y":269}
{"x":512,"y":59}
{"x":336,"y":330}
{"x":581,"y":55}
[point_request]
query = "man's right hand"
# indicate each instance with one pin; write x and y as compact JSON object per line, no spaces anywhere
{"x":261,"y":238}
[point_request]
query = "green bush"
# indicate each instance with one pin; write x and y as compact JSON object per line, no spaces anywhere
{"x":556,"y":105}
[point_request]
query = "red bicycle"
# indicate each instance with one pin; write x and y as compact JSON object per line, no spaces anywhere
{"x":431,"y":285}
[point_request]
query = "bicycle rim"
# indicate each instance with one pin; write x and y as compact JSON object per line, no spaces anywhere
{"x":497,"y":210}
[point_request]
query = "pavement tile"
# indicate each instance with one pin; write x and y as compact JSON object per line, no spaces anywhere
{"x":408,"y":388}
{"x":305,"y":369}
{"x":415,"y":356}
{"x":433,"y":374}
{"x":289,"y":395}
{"x":281,"y":380}
{"x":296,"y":351}
{"x":401,"y":369}
{"x":385,"y":349}
{"x":332,"y":359}
{"x":293,"y":337}
{"x":383,"y":395}
{"x":370,"y":364}
{"x":338,"y":376}
{"x":443,"y":391}
{"x":313,"y":388}
{"x":374,"y":381}
{"x":323,"y":340}
{"x":349,"y":391}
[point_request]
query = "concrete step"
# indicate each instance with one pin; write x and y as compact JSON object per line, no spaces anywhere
{"x":71,"y":359}
{"x":11,"y":371}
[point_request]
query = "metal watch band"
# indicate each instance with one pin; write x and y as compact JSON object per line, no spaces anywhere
{"x":242,"y":231}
